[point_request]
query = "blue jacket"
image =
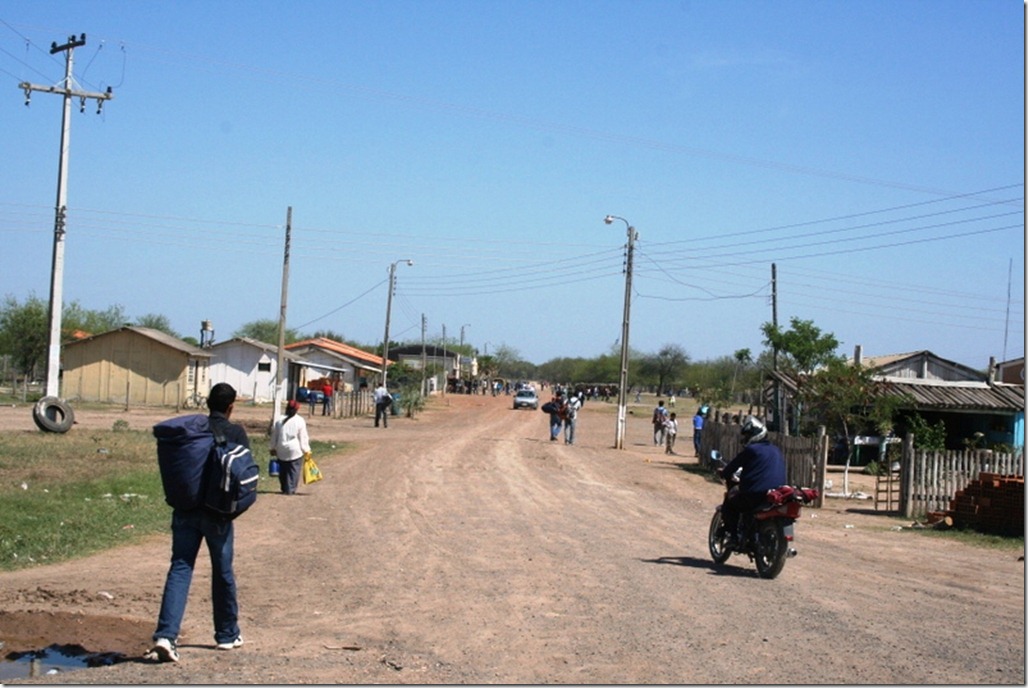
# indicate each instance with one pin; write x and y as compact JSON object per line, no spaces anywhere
{"x":763,"y":467}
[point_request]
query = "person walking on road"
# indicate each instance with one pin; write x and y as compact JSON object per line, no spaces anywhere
{"x":555,"y":407}
{"x":659,"y":418}
{"x":671,"y":432}
{"x":383,"y":401}
{"x":571,"y":409}
{"x":697,"y":428}
{"x":188,"y":529}
{"x":327,"y":404}
{"x":290,"y":444}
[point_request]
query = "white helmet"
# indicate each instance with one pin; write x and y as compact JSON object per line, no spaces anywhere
{"x":753,"y":430}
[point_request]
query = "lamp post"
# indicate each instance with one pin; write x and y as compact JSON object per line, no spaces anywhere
{"x":389,"y":308}
{"x":619,"y":435}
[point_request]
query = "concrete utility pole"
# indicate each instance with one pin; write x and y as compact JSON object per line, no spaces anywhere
{"x":277,"y":411}
{"x":389,"y":309}
{"x":424,"y":361}
{"x":53,"y":362}
{"x":619,"y":434}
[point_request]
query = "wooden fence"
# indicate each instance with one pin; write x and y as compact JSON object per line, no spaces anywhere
{"x":931,"y":479}
{"x":928,"y":480}
{"x":346,"y":404}
{"x":801,"y":454}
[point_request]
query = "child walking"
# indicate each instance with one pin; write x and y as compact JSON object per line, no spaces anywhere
{"x":670,"y":432}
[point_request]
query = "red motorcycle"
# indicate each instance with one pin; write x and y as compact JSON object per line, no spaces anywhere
{"x":766,"y":534}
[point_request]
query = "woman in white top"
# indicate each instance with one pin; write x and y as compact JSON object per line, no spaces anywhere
{"x":289,"y":444}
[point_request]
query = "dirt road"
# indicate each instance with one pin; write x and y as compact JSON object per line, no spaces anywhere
{"x":464,"y":547}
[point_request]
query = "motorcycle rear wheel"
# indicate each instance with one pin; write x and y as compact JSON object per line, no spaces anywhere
{"x":770,"y":548}
{"x":716,"y":540}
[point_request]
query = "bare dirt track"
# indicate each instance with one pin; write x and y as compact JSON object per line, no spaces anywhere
{"x":464,"y":547}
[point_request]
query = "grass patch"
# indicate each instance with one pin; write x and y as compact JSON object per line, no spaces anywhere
{"x":1006,"y":543}
{"x":64,"y":496}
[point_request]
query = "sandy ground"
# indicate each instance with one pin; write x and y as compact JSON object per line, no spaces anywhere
{"x":464,"y":547}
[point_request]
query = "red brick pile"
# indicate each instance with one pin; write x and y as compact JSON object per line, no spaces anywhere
{"x":992,"y":504}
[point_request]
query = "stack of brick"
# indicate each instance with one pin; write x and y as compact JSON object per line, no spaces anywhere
{"x":992,"y":504}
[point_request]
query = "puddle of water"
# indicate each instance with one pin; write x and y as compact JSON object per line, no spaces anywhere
{"x":53,"y":660}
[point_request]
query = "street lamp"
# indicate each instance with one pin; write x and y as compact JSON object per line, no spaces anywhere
{"x":619,"y":435}
{"x":389,"y":308}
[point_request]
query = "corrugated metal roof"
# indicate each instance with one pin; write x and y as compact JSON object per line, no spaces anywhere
{"x":150,"y":333}
{"x":961,"y":395}
{"x":935,"y":394}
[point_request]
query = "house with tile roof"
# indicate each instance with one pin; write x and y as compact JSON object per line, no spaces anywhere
{"x":343,"y":364}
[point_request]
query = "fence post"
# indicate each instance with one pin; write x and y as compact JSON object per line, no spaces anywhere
{"x":907,"y":476}
{"x":821,"y":465}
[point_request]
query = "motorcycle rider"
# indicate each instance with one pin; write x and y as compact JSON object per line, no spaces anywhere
{"x":763,"y":469}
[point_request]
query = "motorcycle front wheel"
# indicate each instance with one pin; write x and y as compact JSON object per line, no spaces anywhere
{"x":719,"y":551}
{"x":771,"y":548}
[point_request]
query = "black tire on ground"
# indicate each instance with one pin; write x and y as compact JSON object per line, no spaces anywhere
{"x":53,"y":415}
{"x":772,"y":548}
{"x":716,"y":537}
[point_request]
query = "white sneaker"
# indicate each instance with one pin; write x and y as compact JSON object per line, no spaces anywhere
{"x":164,"y":650}
{"x":232,"y":644}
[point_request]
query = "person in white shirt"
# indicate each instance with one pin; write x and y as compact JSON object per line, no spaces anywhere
{"x":671,"y":431}
{"x":383,"y":401}
{"x":290,"y":444}
{"x":571,"y":417}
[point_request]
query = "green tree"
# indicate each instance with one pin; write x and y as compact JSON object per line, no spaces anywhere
{"x":847,"y":400}
{"x":743,"y":357}
{"x":76,"y":318}
{"x":666,"y":366}
{"x":265,"y":331}
{"x":23,"y":332}
{"x":927,"y":436}
{"x":156,"y":322}
{"x":803,"y":344}
{"x":327,"y":334}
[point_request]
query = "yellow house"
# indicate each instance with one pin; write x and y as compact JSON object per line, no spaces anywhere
{"x":135,"y":366}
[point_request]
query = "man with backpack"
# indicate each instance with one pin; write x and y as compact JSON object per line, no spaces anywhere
{"x":190,"y":527}
{"x":659,"y":418}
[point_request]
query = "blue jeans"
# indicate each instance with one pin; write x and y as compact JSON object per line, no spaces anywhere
{"x":188,"y":529}
{"x":569,"y":430}
{"x":555,"y":423}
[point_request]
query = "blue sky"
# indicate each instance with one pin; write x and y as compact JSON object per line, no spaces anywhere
{"x":873,"y":151}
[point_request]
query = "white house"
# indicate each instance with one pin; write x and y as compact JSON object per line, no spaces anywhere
{"x":248,"y":365}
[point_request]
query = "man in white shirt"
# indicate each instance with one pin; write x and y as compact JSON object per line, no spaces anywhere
{"x":571,"y":417}
{"x":383,"y":400}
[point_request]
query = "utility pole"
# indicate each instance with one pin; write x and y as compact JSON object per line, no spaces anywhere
{"x":53,"y":365}
{"x":389,"y":309}
{"x":277,"y":411}
{"x":424,"y":357}
{"x":619,"y":434}
{"x":446,"y":373}
{"x":780,"y":420}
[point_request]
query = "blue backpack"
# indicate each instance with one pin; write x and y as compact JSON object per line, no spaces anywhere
{"x":231,"y":481}
{"x":198,"y":471}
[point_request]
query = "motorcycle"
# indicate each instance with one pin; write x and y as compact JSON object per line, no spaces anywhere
{"x":766,"y":534}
